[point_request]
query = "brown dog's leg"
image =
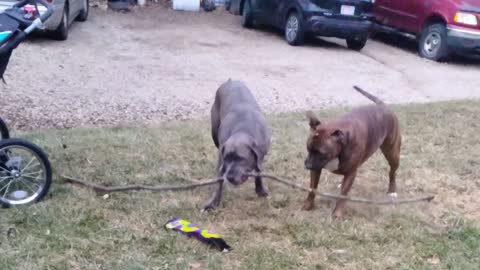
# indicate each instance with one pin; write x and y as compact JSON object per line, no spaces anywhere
{"x":310,"y":201}
{"x":260,"y":188}
{"x":346,"y":186}
{"x":392,"y":154}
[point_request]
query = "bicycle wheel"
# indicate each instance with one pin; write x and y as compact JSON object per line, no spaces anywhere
{"x":25,"y":173}
{"x":4,"y":130}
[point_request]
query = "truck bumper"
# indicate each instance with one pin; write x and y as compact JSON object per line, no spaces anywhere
{"x":339,"y":27}
{"x":463,"y":41}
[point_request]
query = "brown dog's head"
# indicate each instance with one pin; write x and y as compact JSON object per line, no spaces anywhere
{"x":239,"y":156}
{"x":324,"y":143}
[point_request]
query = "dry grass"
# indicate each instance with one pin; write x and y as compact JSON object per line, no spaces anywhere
{"x":74,"y":229}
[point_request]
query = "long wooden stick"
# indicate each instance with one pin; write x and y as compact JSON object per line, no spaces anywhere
{"x":336,"y":197}
{"x":104,"y":189}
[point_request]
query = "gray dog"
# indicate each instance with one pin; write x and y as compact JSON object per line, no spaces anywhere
{"x":240,"y":132}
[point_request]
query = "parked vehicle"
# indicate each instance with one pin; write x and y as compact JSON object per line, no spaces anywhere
{"x":346,"y":19}
{"x":65,"y":12}
{"x":441,"y":27}
{"x":25,"y":171}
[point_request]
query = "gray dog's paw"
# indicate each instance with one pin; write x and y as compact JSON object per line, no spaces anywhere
{"x":262,"y":193}
{"x":208,"y":208}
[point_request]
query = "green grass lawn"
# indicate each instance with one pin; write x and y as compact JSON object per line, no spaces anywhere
{"x":75,"y":229}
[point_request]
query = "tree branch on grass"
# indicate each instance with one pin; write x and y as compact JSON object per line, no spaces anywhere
{"x":337,"y":197}
{"x":104,"y":189}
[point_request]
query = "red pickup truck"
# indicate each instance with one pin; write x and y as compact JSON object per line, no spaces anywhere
{"x":440,"y":26}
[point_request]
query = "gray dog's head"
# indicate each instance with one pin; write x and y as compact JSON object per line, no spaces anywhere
{"x":239,"y":156}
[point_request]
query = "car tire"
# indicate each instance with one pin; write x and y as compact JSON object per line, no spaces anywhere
{"x":5,"y":134}
{"x":247,"y":15}
{"x":433,"y":42}
{"x":83,"y":16}
{"x":61,"y":33}
{"x":356,"y":44}
{"x":294,"y":29}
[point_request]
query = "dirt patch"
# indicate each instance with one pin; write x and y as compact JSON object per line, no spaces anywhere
{"x":155,"y":64}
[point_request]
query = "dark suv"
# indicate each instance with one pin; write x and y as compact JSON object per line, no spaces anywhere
{"x":347,"y":19}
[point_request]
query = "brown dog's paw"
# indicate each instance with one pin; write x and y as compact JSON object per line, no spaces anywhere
{"x":337,"y":215}
{"x":308,"y":205}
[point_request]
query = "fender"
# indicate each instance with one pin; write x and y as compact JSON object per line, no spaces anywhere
{"x":234,"y":6}
{"x":286,"y":7}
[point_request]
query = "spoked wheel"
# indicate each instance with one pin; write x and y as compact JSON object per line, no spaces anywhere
{"x":294,"y":32}
{"x":4,"y":130}
{"x":25,"y":173}
{"x":433,"y":42}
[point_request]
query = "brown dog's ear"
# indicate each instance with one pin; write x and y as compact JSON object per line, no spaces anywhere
{"x":340,"y":136}
{"x":313,"y":120}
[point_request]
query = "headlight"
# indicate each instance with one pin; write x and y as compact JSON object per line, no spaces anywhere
{"x":465,"y":18}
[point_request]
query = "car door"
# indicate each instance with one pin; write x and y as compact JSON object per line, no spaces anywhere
{"x":267,"y":11}
{"x":409,"y":13}
{"x":387,"y":12}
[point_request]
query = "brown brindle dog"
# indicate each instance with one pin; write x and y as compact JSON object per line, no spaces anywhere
{"x":342,"y":145}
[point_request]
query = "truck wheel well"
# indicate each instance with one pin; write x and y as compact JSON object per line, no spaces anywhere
{"x":289,"y":11}
{"x":433,"y":19}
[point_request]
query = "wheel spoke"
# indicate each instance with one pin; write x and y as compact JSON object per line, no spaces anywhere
{"x":28,"y":165}
{"x":7,"y":186}
{"x":3,"y":169}
{"x":32,"y":183}
{"x":34,"y":178}
{"x":32,"y":173}
{"x":31,"y":166}
{"x":5,"y":178}
{"x":28,"y":186}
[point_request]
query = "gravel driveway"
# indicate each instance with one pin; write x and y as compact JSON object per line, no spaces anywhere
{"x":156,"y":64}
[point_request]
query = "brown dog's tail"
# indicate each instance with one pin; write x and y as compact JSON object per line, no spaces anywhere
{"x":369,"y":96}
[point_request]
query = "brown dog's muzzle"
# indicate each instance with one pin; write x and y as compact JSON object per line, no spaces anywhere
{"x":312,"y":163}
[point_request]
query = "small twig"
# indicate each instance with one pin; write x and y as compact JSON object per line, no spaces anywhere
{"x":352,"y":199}
{"x":104,"y":189}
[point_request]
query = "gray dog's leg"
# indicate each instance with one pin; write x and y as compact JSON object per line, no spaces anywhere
{"x":260,"y":188}
{"x":214,"y":201}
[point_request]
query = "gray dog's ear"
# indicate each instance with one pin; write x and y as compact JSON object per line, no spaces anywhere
{"x":313,"y":120}
{"x":340,"y":136}
{"x":256,"y":153}
{"x":220,"y":158}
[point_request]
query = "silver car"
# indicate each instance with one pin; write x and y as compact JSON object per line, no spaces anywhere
{"x":65,"y":12}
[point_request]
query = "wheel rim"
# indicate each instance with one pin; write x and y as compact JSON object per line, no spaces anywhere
{"x":432,"y":44}
{"x":245,"y":12}
{"x":64,"y":20}
{"x":292,"y":28}
{"x":22,"y":175}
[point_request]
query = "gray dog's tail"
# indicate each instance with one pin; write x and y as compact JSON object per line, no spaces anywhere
{"x":369,"y":96}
